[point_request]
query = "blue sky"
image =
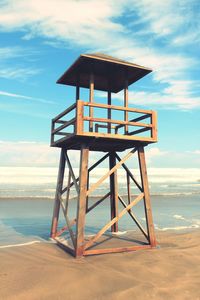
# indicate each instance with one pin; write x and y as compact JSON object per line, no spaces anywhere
{"x":40,"y":39}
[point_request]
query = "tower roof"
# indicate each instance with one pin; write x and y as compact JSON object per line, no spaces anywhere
{"x":109,"y":72}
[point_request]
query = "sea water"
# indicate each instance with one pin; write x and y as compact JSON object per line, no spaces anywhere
{"x":26,"y":203}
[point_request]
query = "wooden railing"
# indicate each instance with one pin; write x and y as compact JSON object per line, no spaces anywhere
{"x":85,"y":125}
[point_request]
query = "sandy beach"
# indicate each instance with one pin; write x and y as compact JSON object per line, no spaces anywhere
{"x":44,"y":271}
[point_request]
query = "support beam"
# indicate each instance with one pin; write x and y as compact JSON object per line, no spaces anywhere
{"x":113,"y":191}
{"x":126,"y":105}
{"x":56,"y":210}
{"x":113,"y":221}
{"x":91,"y":100}
{"x":95,"y":185}
{"x":109,"y":112}
{"x":81,"y":207}
{"x":147,"y":203}
{"x":129,"y":173}
{"x":134,"y":218}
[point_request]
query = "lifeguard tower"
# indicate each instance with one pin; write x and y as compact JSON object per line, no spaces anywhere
{"x":91,"y":126}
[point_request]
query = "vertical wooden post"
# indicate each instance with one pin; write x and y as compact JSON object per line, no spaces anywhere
{"x":126,"y":105}
{"x":77,"y":92}
{"x":109,"y":112}
{"x":113,"y":191}
{"x":81,"y":208}
{"x":78,"y":87}
{"x":79,"y":116}
{"x":147,"y":202}
{"x":154,"y":125}
{"x":59,"y":186}
{"x":91,"y":99}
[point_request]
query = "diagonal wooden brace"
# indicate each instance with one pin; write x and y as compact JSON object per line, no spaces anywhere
{"x":108,"y":225}
{"x":95,"y":185}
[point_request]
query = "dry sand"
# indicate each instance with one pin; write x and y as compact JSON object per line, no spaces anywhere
{"x":44,"y":271}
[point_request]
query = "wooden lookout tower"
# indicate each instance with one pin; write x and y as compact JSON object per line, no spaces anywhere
{"x":109,"y":129}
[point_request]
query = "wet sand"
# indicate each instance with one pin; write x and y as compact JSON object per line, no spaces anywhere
{"x":44,"y":271}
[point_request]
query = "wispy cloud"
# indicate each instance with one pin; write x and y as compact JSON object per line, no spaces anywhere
{"x":18,"y":73}
{"x":18,"y":96}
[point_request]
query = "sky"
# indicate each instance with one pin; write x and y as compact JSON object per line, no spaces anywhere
{"x":39,"y":40}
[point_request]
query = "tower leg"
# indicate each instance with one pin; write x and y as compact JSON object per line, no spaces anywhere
{"x":113,"y":191}
{"x":56,"y":210}
{"x":147,"y":203}
{"x":82,"y":199}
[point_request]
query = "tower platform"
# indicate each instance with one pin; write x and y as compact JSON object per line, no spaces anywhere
{"x":103,"y":134}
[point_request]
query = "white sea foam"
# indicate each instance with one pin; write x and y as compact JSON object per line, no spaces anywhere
{"x":193,"y":226}
{"x":20,"y":245}
{"x":179,"y":217}
{"x":27,"y":243}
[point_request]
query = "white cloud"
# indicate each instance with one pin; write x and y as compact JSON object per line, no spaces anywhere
{"x":95,"y":25}
{"x":36,"y":154}
{"x":27,"y":154}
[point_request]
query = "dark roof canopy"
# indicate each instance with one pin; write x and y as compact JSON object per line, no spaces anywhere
{"x":109,"y":72}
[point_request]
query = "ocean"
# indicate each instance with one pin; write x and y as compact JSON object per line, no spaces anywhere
{"x":27,"y":193}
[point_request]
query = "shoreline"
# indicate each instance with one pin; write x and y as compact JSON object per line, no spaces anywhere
{"x":51,"y":198}
{"x":171,"y":271}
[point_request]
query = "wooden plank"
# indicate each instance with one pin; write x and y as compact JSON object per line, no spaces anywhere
{"x":126,"y":106}
{"x":91,"y":99}
{"x":134,"y":120}
{"x":147,"y":202}
{"x":81,"y":209}
{"x":109,"y":112}
{"x":63,"y":133}
{"x":52,"y":128}
{"x":116,"y":250}
{"x":67,"y":221}
{"x":68,"y":193}
{"x":128,"y":187}
{"x":98,"y":162}
{"x":115,"y":107}
{"x":119,"y":136}
{"x":72,"y":173}
{"x":79,"y":117}
{"x":65,"y":247}
{"x":59,"y":185}
{"x":154,"y":126}
{"x":139,"y":131}
{"x":109,"y":224}
{"x":66,"y":111}
{"x":134,"y":218}
{"x":62,"y":139}
{"x":98,"y":202}
{"x":113,"y":191}
{"x":94,"y":186}
{"x":103,"y":120}
{"x":90,"y":169}
{"x":129,"y":173}
{"x":66,"y":124}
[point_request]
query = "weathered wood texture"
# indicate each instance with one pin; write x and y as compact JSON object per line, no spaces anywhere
{"x":113,"y":191}
{"x":87,"y":247}
{"x":147,"y":202}
{"x":77,"y":126}
{"x":81,"y":209}
{"x":58,"y":194}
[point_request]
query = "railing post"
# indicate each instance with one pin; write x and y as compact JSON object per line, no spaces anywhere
{"x":79,"y":117}
{"x":52,"y":129}
{"x":154,"y":125}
